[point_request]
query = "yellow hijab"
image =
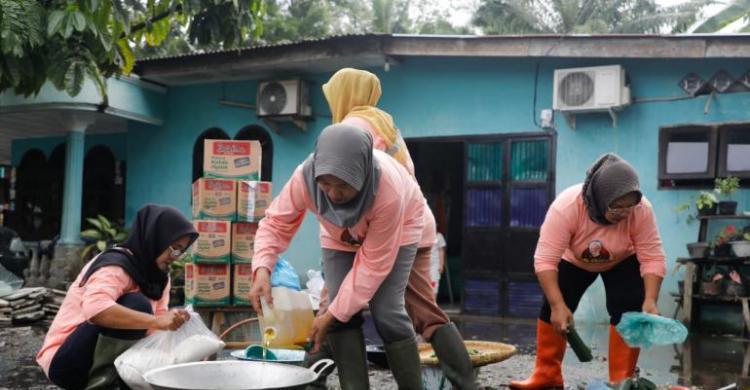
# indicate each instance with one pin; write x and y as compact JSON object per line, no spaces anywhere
{"x":354,"y":92}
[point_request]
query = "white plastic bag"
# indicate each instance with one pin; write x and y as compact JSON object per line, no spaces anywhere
{"x":192,"y":342}
{"x":314,"y":287}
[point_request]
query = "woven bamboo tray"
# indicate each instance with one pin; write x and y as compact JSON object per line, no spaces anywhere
{"x":481,"y":353}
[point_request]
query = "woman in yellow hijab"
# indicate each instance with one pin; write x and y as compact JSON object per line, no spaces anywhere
{"x":352,"y":96}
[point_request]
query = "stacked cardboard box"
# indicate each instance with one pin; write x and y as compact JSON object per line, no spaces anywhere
{"x":228,"y":201}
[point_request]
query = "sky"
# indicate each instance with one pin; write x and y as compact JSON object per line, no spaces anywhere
{"x":463,"y":9}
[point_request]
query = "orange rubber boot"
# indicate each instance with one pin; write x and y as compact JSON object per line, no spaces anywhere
{"x":622,"y":358}
{"x":550,"y":350}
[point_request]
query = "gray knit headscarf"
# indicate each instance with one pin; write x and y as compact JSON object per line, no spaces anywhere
{"x":608,"y":179}
{"x":345,"y":152}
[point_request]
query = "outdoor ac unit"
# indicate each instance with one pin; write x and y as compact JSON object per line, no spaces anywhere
{"x":283,"y":98}
{"x":598,"y":88}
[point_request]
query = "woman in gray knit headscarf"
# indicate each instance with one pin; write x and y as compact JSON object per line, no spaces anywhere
{"x":606,"y":227}
{"x":370,"y":213}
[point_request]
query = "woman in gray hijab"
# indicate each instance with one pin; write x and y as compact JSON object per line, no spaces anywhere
{"x":606,"y":227}
{"x":370,"y":214}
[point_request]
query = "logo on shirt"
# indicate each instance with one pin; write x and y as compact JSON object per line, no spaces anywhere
{"x":595,"y":253}
{"x":348,"y":238}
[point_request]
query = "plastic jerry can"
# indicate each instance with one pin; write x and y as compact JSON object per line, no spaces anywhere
{"x":289,"y":323}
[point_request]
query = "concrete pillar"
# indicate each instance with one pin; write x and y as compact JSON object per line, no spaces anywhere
{"x":70,"y":228}
{"x":66,"y":262}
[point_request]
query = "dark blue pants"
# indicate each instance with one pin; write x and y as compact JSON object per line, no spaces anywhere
{"x":623,"y":285}
{"x":71,"y":364}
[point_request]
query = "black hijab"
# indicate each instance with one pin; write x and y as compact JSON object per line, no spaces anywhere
{"x":608,"y":179}
{"x":154,"y":229}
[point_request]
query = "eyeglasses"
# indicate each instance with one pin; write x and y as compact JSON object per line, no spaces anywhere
{"x":177,"y":253}
{"x":622,"y":210}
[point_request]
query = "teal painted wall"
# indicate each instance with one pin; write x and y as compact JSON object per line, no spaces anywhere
{"x":448,"y":97}
{"x":116,"y":143}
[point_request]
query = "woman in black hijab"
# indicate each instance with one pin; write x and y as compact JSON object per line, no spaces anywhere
{"x":116,"y":298}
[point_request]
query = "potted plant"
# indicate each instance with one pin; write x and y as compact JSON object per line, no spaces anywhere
{"x":711,"y":281}
{"x":721,"y":244}
{"x":725,"y":187}
{"x":741,"y":247}
{"x":706,"y":203}
{"x":101,"y":236}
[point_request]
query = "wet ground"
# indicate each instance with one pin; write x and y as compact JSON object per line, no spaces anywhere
{"x":703,"y":361}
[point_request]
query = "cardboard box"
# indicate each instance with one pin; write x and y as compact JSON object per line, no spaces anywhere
{"x":214,"y":243}
{"x":253,"y":197}
{"x":242,"y":275}
{"x":243,"y":239}
{"x":232,"y":159}
{"x":210,"y":284}
{"x":215,"y":199}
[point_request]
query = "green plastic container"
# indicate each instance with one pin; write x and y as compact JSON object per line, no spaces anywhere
{"x":582,"y":351}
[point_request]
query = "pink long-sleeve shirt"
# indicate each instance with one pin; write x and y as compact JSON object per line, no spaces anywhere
{"x":429,"y":233}
{"x":394,"y":220}
{"x":569,"y":233}
{"x":101,"y":291}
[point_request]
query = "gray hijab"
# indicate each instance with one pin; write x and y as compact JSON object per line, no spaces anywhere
{"x":343,"y":151}
{"x":608,"y":179}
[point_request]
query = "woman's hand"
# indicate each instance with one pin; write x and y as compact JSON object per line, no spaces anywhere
{"x":171,"y":320}
{"x":649,"y":306}
{"x":261,"y":289}
{"x":561,"y":318}
{"x":320,"y":330}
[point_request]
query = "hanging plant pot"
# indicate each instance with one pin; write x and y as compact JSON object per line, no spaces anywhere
{"x":710,"y":288}
{"x":741,"y":248}
{"x":708,"y":210}
{"x":727,"y":207}
{"x":697,"y":249}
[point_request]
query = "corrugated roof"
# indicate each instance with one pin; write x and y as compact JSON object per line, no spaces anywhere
{"x":255,"y":47}
{"x":372,"y":50}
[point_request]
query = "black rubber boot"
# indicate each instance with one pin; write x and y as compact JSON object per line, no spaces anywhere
{"x":403,"y":359}
{"x":348,"y":348}
{"x":103,"y":374}
{"x":454,"y":359}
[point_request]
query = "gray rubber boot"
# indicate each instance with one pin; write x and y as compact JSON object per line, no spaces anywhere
{"x":403,"y":359}
{"x":454,"y":359}
{"x":103,"y":374}
{"x":348,"y":348}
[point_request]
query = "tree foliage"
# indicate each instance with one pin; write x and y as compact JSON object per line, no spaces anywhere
{"x":585,"y":16}
{"x":734,"y":11}
{"x":68,"y":41}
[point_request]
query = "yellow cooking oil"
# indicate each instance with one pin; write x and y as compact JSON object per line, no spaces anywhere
{"x":291,"y":318}
{"x":268,"y":334}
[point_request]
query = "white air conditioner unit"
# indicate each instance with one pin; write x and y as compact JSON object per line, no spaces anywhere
{"x":283,"y":98}
{"x":592,"y":89}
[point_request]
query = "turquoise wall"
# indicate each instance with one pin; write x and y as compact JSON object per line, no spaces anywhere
{"x":448,"y":97}
{"x":116,"y":143}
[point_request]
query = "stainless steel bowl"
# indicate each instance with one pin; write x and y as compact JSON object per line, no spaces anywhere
{"x":234,"y":375}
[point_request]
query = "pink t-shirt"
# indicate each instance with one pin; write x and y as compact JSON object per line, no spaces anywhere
{"x":569,"y":233}
{"x":430,"y":226}
{"x":101,"y":291}
{"x":394,"y":220}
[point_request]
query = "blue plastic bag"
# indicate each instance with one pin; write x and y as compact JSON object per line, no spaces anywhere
{"x":284,"y":275}
{"x":644,"y":330}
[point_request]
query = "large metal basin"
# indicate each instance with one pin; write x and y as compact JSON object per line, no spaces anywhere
{"x":234,"y":375}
